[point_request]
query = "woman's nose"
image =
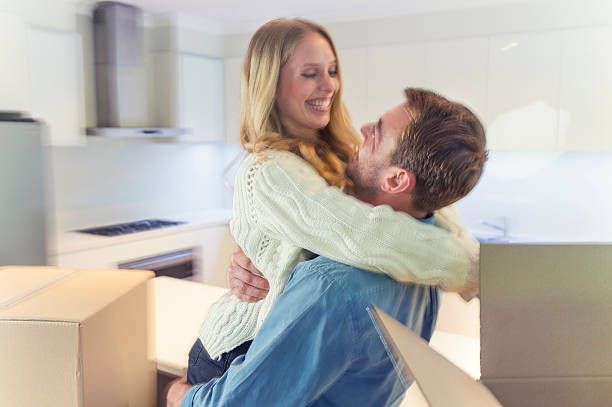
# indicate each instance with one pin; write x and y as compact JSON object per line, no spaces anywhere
{"x":328,"y":83}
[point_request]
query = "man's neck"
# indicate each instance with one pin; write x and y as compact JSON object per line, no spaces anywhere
{"x":399,"y":203}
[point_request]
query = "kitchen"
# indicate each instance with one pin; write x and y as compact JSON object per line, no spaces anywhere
{"x":536,"y":72}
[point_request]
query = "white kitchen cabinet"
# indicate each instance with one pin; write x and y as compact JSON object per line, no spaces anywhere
{"x":391,"y":69}
{"x":585,"y":122}
{"x":213,"y":248}
{"x":189,"y":94}
{"x":232,"y":77}
{"x":56,"y":84}
{"x":14,"y":70}
{"x":457,"y":69}
{"x":201,"y":96}
{"x":523,"y":91}
{"x":354,"y":66}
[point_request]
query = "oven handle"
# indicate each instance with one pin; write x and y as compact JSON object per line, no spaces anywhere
{"x":161,"y":261}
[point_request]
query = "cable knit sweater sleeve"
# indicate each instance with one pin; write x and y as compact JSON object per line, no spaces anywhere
{"x":290,"y":201}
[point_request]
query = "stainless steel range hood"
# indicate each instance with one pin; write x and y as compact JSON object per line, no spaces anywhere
{"x":121,"y":76}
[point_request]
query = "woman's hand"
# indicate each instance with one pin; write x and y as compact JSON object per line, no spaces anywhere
{"x":244,"y":280}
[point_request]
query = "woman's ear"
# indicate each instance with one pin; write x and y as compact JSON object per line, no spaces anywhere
{"x":397,"y":180}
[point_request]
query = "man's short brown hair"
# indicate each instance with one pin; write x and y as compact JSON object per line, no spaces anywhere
{"x":444,"y":145}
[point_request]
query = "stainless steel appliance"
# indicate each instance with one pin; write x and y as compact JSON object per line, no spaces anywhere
{"x":22,"y":198}
{"x":130,"y":227}
{"x":178,"y":264}
{"x":120,"y":71}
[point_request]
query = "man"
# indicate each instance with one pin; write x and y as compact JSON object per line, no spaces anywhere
{"x":318,"y":346}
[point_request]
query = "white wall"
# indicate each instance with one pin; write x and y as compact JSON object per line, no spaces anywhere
{"x":139,"y":179}
{"x":368,"y":54}
{"x":542,"y":197}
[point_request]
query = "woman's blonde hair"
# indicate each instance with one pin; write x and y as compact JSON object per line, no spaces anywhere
{"x":260,"y":127}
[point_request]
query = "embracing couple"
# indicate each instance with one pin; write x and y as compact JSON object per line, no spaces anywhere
{"x":328,"y":223}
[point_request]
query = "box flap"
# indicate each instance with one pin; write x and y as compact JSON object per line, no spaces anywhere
{"x":19,"y":282}
{"x":73,"y":298}
{"x":442,"y":383}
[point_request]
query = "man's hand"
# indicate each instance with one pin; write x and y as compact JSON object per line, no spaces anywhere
{"x":176,"y":391}
{"x":244,"y":280}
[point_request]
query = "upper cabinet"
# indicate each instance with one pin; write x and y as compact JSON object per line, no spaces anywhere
{"x":14,"y":73}
{"x":390,"y":69}
{"x":56,"y":90}
{"x":523,"y":91}
{"x":201,"y":97}
{"x":585,"y":122}
{"x":546,"y":90}
{"x":458,"y":70}
{"x":233,"y":73}
{"x":189,"y":92}
{"x":354,"y":65}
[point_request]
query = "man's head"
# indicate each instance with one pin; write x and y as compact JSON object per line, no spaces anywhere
{"x":421,"y":155}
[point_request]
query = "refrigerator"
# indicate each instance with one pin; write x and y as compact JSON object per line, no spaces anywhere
{"x":22,"y":192}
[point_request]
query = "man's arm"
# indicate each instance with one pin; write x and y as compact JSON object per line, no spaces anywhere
{"x":175,"y":391}
{"x":303,"y":347}
{"x":289,"y":201}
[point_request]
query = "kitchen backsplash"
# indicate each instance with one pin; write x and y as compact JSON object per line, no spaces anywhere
{"x":542,"y":197}
{"x":527,"y":196}
{"x":113,"y":180}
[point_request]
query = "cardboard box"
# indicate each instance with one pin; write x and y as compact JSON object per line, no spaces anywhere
{"x":546,"y":331}
{"x":441,"y":383}
{"x":75,"y":338}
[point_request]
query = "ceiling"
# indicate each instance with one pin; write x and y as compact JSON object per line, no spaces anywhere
{"x":229,"y":16}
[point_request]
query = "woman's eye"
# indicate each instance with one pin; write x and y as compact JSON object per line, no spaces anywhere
{"x":333,"y":73}
{"x":309,"y":75}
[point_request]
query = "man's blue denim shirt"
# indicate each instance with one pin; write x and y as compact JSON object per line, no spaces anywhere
{"x":319,"y":347}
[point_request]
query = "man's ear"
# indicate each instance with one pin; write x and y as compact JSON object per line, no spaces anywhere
{"x":397,"y":180}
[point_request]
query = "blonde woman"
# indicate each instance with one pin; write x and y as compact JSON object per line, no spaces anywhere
{"x":292,"y":194}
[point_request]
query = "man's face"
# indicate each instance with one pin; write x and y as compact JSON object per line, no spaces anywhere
{"x":379,"y":143}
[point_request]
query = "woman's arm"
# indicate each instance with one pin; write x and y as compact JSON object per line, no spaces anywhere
{"x":288,"y":199}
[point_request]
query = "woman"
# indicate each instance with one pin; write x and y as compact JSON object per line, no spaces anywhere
{"x":288,"y":194}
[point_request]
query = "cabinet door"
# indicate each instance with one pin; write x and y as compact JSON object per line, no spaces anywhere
{"x":200,"y":96}
{"x":233,"y":74}
{"x":56,"y":83}
{"x":457,"y":69}
{"x":391,"y":69}
{"x":14,"y":79}
{"x":523,"y":91}
{"x":354,"y":65}
{"x":585,"y":122}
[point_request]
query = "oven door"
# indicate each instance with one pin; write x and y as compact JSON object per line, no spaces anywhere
{"x":178,"y":264}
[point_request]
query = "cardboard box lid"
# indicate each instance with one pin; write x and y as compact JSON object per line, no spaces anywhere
{"x":56,"y":294}
{"x":442,"y":383}
{"x":19,"y":282}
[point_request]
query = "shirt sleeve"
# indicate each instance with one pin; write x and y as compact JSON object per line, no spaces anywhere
{"x":303,"y":347}
{"x":291,"y":201}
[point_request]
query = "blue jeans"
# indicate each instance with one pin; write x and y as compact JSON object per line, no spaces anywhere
{"x":202,"y":367}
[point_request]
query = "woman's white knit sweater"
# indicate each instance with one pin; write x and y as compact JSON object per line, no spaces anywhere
{"x":282,"y":206}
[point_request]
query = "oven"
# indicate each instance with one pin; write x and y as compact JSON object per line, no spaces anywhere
{"x":177,"y":264}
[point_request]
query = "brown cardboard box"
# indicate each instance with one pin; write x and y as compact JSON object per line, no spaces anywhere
{"x":546,"y":331}
{"x":75,"y":338}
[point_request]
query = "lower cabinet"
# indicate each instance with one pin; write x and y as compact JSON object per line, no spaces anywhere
{"x":212,"y":246}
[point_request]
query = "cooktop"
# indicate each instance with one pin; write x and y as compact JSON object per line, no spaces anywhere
{"x":130,"y":227}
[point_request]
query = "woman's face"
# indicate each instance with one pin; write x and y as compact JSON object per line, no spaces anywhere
{"x":307,"y":86}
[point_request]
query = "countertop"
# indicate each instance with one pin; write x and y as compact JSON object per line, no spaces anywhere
{"x":179,"y":311}
{"x":63,"y":238}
